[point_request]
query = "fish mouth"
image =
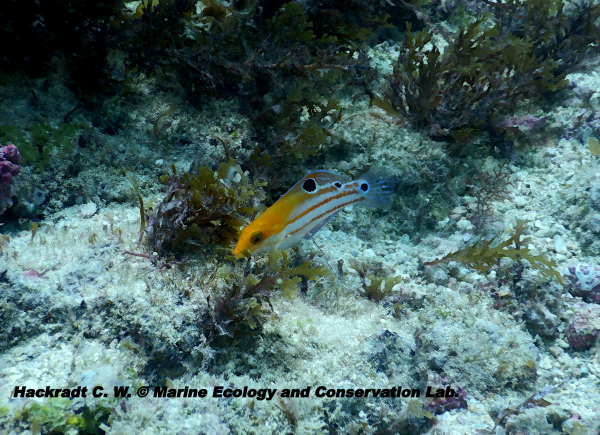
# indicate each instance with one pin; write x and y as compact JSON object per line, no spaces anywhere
{"x":238,"y":253}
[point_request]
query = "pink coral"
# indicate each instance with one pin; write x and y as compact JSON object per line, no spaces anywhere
{"x":584,"y":326}
{"x":10,"y":158}
{"x":457,"y":399}
{"x":524,"y":123}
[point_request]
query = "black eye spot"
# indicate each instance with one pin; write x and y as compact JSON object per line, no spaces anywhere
{"x":309,"y":185}
{"x":337,"y":184}
{"x":256,"y":237}
{"x":364,"y":187}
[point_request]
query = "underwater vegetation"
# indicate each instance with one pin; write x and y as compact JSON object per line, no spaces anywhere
{"x":211,"y":207}
{"x":207,"y":206}
{"x":270,"y":53}
{"x":515,"y":51}
{"x":491,"y":185}
{"x":482,"y":256}
{"x":292,"y":63}
{"x":57,"y":416}
{"x":239,"y":305}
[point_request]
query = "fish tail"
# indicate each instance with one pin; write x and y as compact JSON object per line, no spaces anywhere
{"x":381,"y":188}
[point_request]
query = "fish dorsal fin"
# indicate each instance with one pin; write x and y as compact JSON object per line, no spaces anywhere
{"x":322,"y":178}
{"x":325,"y":178}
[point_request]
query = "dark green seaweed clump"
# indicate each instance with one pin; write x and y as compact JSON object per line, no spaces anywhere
{"x":206,"y":207}
{"x":520,"y":50}
{"x":288,"y":69}
{"x":239,"y":297}
{"x":283,"y":58}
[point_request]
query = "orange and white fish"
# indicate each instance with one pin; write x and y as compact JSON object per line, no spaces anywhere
{"x":308,"y":206}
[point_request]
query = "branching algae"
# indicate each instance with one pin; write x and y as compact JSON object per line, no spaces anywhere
{"x":520,"y":50}
{"x":209,"y":206}
{"x":240,"y":305}
{"x":481,"y":256}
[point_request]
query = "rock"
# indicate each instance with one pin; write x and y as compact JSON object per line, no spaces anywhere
{"x":88,"y":209}
{"x":559,"y":245}
{"x":556,"y":351}
{"x":583,"y":281}
{"x":584,"y":326}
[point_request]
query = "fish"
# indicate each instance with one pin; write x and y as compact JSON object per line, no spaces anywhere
{"x":308,"y":205}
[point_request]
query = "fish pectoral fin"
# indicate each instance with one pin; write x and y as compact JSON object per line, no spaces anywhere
{"x":319,"y":226}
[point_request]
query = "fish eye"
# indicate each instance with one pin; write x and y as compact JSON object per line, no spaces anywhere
{"x":364,"y":187}
{"x":256,"y":237}
{"x":337,"y":184}
{"x":309,"y":185}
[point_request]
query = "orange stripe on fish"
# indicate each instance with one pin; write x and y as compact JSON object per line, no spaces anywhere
{"x":335,"y":210}
{"x":322,"y":203}
{"x":308,"y":206}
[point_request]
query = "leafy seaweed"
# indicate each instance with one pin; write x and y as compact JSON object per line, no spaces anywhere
{"x":240,"y":305}
{"x":209,"y":206}
{"x":57,"y":415}
{"x":482,"y":256}
{"x":565,"y":32}
{"x":376,"y":287}
{"x":142,"y":210}
{"x":381,"y":287}
{"x":522,"y":51}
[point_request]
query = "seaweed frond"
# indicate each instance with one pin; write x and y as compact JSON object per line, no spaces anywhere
{"x":535,"y":400}
{"x":482,"y":256}
{"x":521,"y":50}
{"x":240,"y":305}
{"x":381,"y":287}
{"x":210,"y":206}
{"x":491,"y":185}
{"x":375,"y":286}
{"x":142,"y":211}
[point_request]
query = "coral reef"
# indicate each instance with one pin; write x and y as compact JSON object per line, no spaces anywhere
{"x":10,"y":158}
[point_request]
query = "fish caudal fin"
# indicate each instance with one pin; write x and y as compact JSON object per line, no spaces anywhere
{"x":380,"y":188}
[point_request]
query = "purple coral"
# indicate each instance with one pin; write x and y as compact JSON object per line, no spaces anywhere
{"x":10,"y":158}
{"x":439,"y":405}
{"x":524,"y":123}
{"x":584,"y":282}
{"x":584,"y":326}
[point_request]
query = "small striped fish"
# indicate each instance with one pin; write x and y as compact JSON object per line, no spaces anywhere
{"x":308,"y":206}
